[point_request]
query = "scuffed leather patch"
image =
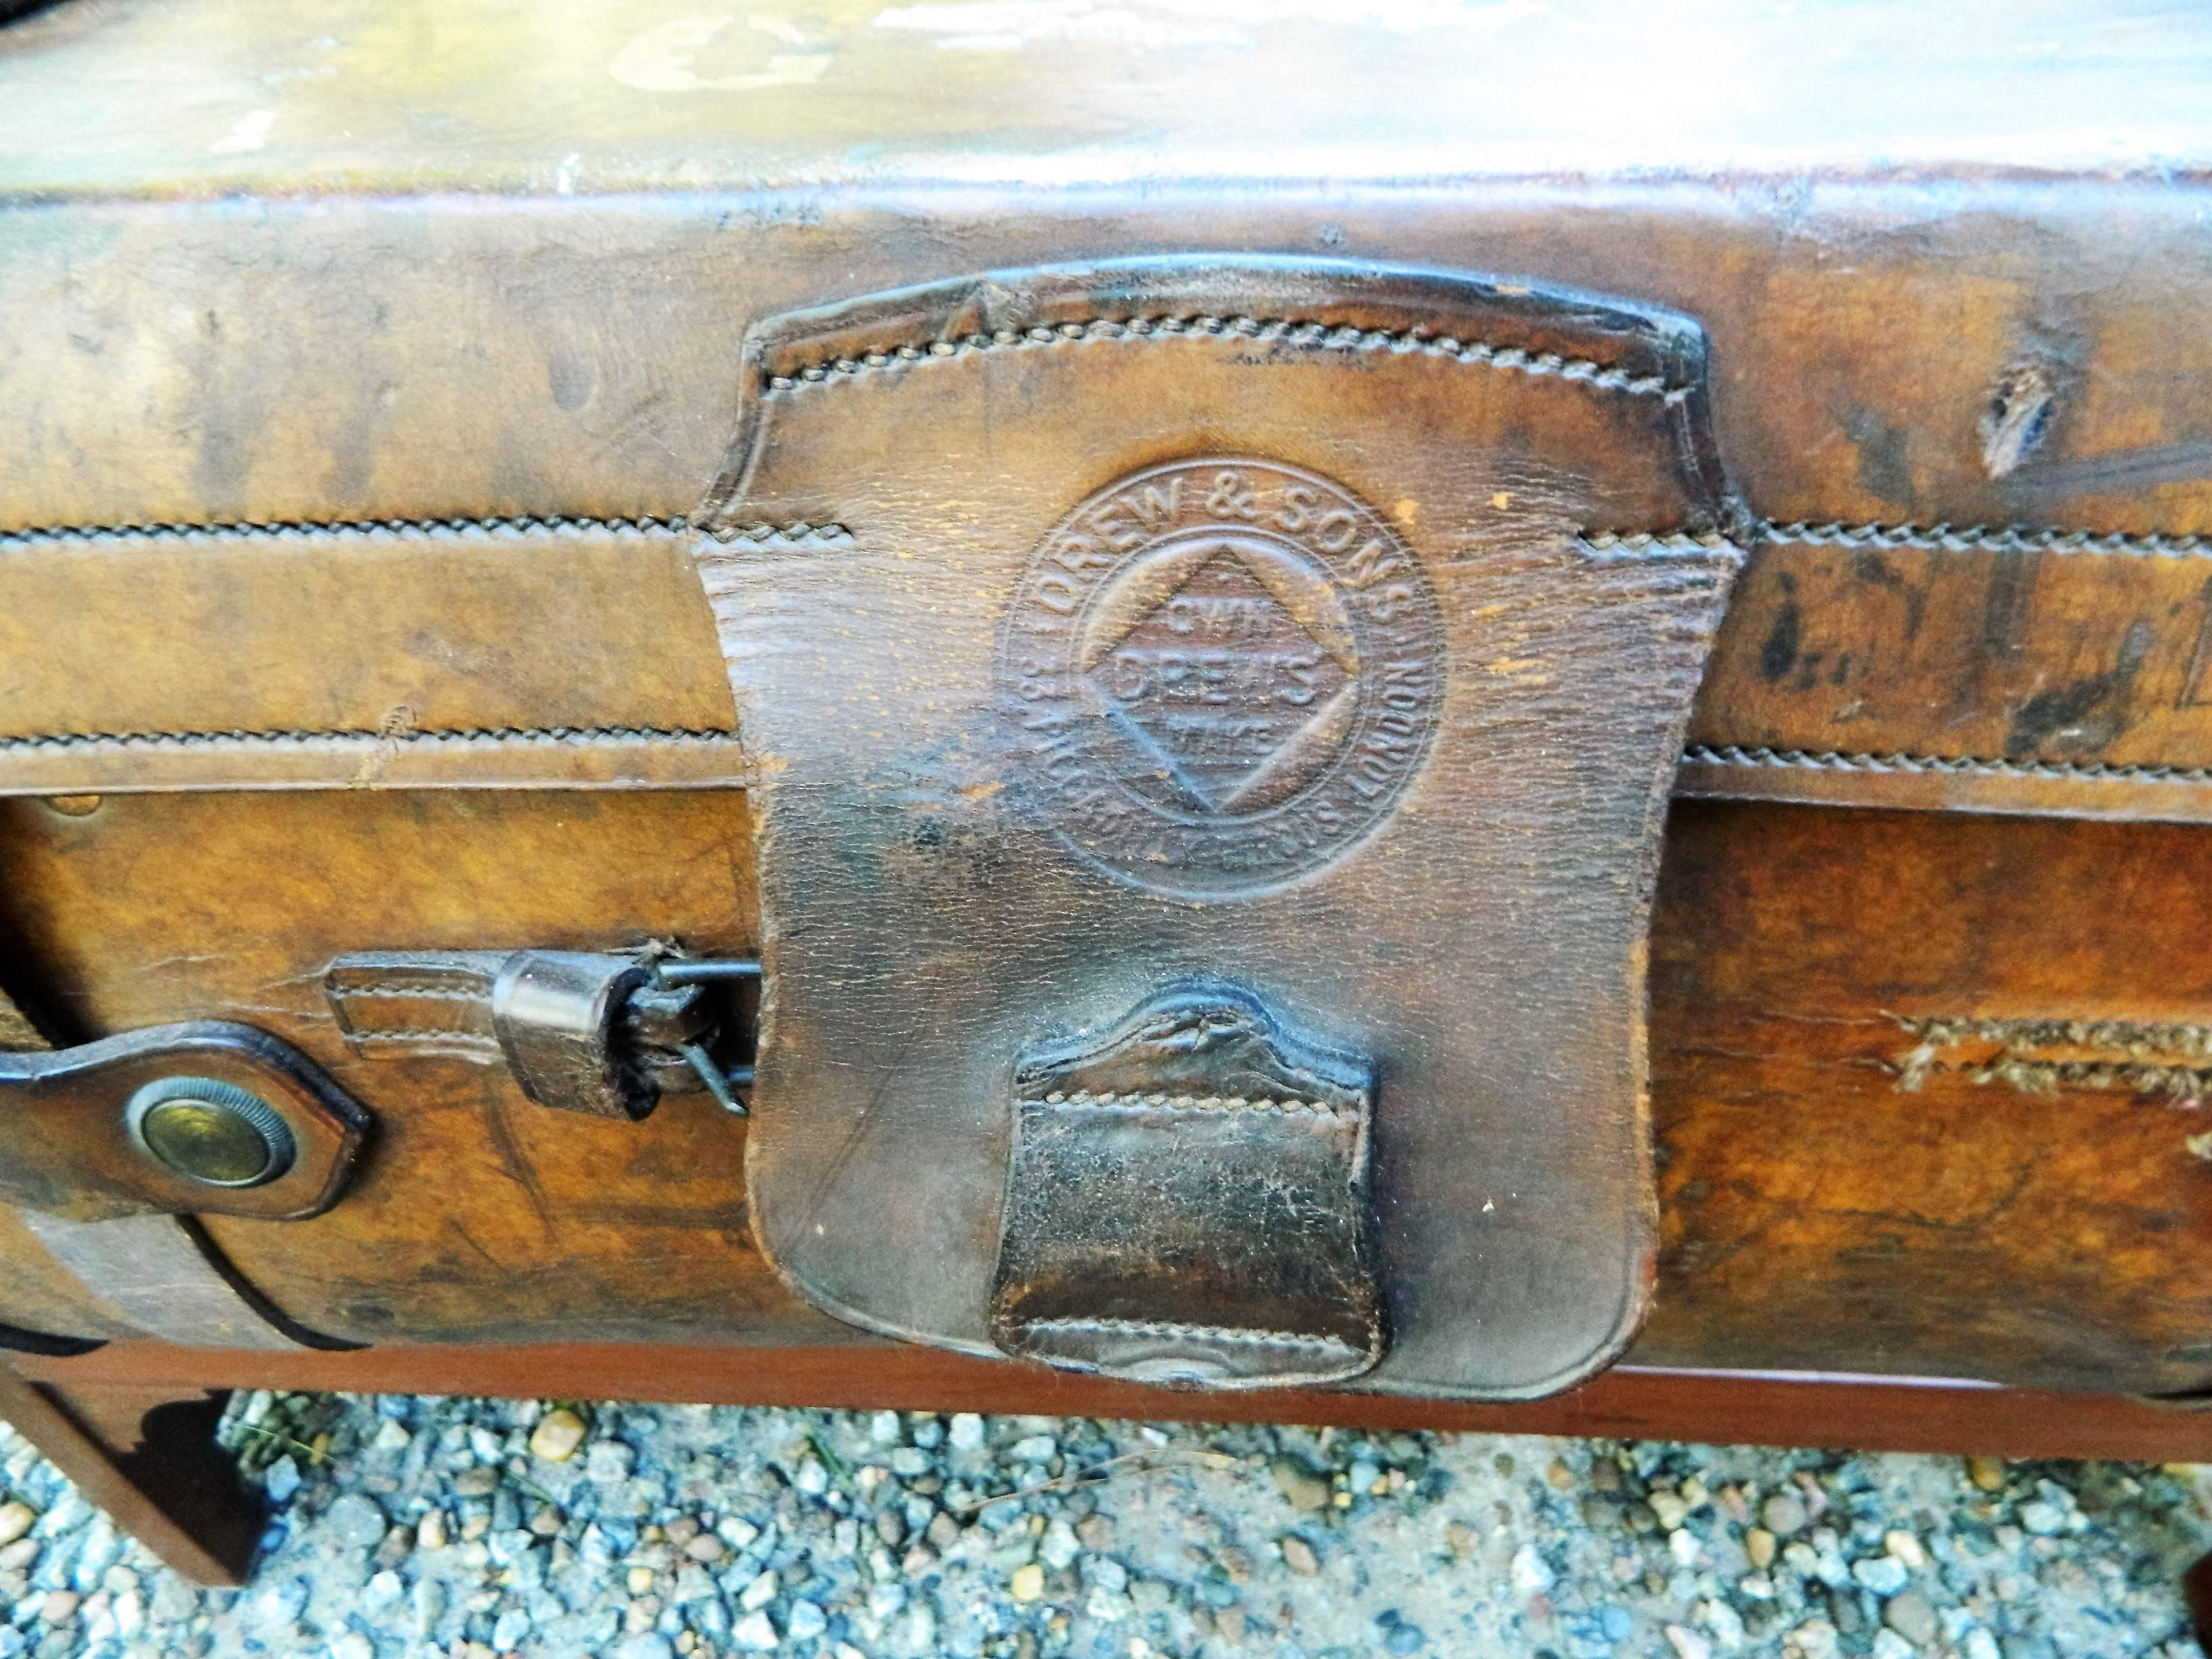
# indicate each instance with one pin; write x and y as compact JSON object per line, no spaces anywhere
{"x":1187,"y":1203}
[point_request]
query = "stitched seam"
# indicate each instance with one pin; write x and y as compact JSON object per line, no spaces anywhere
{"x":1606,"y":543}
{"x":2010,"y":538}
{"x":2040,"y":1076}
{"x":465,"y":1039}
{"x":490,"y":735}
{"x":1415,"y":341}
{"x":2138,"y":1040}
{"x":2151,"y":1059}
{"x":1929,"y":538}
{"x":1136,"y":1103}
{"x":435,"y":993}
{"x":1803,"y":760}
{"x":416,"y":529}
{"x":1167,"y":1328}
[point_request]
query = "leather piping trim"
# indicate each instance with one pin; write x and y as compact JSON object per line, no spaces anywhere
{"x":1940,"y":538}
{"x":1834,"y":761}
{"x":1295,"y":330}
{"x":484,"y":737}
{"x":1939,"y":783}
{"x":1982,"y":538}
{"x":456,"y":528}
{"x":1172,"y":1329}
{"x":1083,"y":1100}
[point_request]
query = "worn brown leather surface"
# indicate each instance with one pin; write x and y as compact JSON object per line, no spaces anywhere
{"x":371,"y":273}
{"x":1813,"y":1215}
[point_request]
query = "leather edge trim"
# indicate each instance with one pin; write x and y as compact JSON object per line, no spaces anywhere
{"x":1944,"y":783}
{"x":459,"y":528}
{"x":916,"y":324}
{"x":559,"y":758}
{"x":2004,"y":539}
{"x":1938,"y":538}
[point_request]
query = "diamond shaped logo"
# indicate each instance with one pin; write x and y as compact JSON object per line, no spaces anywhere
{"x":1222,"y":684}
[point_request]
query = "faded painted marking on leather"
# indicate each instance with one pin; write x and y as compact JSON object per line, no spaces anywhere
{"x":1222,"y":674}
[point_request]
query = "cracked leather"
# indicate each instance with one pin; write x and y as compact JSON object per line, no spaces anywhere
{"x":1319,"y":633}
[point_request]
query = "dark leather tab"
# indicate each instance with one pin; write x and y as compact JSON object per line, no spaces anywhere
{"x":1186,"y":1202}
{"x":1322,"y":631}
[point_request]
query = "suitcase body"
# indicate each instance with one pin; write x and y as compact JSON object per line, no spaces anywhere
{"x":424,"y":541}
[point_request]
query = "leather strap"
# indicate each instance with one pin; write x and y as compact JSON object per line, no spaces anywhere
{"x":163,"y":1276}
{"x":151,"y":1270}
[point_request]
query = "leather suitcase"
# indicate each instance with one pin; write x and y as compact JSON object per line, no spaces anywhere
{"x":1363,"y":711}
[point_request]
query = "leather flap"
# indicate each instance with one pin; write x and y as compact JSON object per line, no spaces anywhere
{"x":1319,"y":633}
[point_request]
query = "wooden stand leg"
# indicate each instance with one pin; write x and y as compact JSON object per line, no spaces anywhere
{"x":148,"y":1457}
{"x":2196,"y":1594}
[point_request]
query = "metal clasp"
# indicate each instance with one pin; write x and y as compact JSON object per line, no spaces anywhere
{"x":606,"y":1035}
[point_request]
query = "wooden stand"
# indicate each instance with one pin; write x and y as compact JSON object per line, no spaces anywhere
{"x":132,"y":1422}
{"x":147,"y":1456}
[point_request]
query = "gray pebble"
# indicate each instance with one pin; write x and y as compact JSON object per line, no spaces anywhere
{"x":746,"y":1548}
{"x":754,"y":1633}
{"x":1783,"y":1514}
{"x":282,"y":1479}
{"x":1403,"y":1638}
{"x":1885,"y":1575}
{"x":355,"y":1521}
{"x":1057,"y":1549}
{"x":426,"y":1605}
{"x":1304,"y":1491}
{"x":1911,"y":1617}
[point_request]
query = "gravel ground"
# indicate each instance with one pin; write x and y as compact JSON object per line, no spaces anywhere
{"x":469,"y":1528}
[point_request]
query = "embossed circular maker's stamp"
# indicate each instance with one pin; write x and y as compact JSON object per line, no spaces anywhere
{"x":1223,"y":674}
